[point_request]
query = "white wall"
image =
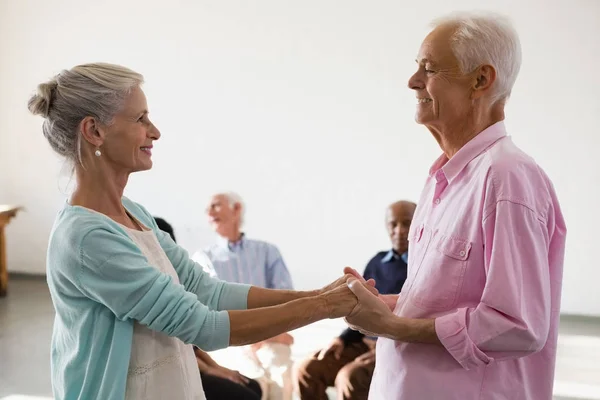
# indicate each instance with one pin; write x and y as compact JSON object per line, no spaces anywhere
{"x":303,"y":108}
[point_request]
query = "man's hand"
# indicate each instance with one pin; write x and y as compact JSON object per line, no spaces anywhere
{"x":229,"y":374}
{"x":371,"y":315}
{"x":336,"y":347}
{"x":366,"y":358}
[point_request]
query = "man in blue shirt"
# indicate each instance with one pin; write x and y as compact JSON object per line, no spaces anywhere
{"x":237,"y":258}
{"x":348,"y":362}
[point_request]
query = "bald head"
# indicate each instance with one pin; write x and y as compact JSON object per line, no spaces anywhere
{"x":398,"y":218}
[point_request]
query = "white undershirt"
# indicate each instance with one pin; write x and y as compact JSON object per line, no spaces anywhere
{"x":160,"y":367}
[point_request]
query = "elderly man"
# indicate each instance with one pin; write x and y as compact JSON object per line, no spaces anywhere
{"x":237,"y":258}
{"x":478,"y":315}
{"x":348,"y":362}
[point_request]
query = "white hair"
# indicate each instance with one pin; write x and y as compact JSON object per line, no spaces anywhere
{"x":486,"y":38}
{"x":97,"y":90}
{"x":233,"y":199}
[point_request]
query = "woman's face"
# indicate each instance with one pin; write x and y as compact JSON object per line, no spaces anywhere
{"x":128,"y":141}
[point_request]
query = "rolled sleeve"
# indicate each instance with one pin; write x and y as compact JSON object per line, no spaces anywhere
{"x":512,"y":318}
{"x":216,"y":294}
{"x":452,"y":331}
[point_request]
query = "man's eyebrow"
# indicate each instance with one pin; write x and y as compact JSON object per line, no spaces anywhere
{"x":424,"y":61}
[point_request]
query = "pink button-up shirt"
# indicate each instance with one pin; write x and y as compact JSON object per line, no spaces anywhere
{"x":485,"y":260}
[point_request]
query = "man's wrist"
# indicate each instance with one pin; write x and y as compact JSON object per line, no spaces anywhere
{"x":411,"y":330}
{"x":394,"y":328}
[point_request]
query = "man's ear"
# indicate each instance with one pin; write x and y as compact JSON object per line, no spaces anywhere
{"x":483,"y":79}
{"x":92,"y":131}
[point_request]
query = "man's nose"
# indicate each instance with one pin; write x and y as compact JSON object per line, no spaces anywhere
{"x":415,"y":82}
{"x":404,"y":229}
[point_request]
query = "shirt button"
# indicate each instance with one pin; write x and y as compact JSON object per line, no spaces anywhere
{"x":462,"y":253}
{"x":437,"y":201}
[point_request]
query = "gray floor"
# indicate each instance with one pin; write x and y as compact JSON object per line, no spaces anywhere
{"x":26,"y":316}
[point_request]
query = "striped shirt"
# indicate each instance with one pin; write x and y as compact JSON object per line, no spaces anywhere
{"x":249,"y":261}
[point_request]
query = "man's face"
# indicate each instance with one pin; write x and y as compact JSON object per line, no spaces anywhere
{"x":443,"y":92}
{"x":222,"y":216}
{"x":398,"y":219}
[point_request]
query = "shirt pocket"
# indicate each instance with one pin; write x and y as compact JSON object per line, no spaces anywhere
{"x":440,"y":276}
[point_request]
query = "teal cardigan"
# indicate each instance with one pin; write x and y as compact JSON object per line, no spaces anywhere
{"x":101,"y":283}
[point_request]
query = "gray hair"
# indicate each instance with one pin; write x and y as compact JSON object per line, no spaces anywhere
{"x":97,"y":90}
{"x":486,"y":38}
{"x":233,"y":199}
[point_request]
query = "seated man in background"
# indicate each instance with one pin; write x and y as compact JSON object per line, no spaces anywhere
{"x":237,"y":258}
{"x":218,"y":382}
{"x":348,"y":362}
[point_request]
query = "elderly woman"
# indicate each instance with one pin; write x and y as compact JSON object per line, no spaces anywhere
{"x":129,"y":301}
{"x":478,"y":318}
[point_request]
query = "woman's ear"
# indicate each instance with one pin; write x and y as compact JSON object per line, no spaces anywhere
{"x":91,"y":131}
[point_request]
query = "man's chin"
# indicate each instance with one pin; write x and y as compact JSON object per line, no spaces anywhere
{"x":400,"y":250}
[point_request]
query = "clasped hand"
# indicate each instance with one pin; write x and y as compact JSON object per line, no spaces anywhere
{"x":339,"y":299}
{"x":357,"y":299}
{"x":373,"y":311}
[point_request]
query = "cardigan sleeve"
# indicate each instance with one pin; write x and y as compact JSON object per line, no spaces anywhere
{"x":216,"y":294}
{"x":114,"y":272}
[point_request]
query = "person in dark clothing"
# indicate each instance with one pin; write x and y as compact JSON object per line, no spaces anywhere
{"x":165,"y":227}
{"x":218,"y":382}
{"x":349,"y":360}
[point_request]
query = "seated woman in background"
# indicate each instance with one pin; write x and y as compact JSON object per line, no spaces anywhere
{"x":129,"y":301}
{"x":164,"y":226}
{"x":218,"y":382}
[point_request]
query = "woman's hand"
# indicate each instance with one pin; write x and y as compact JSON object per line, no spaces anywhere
{"x":340,"y":301}
{"x":226,"y":373}
{"x":390,"y":300}
{"x":349,"y":273}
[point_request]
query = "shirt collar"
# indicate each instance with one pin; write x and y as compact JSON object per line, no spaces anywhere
{"x":451,"y":168}
{"x":223,"y":242}
{"x":392,"y":255}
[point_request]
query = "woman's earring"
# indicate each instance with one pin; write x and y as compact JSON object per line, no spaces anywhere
{"x":98,"y":153}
